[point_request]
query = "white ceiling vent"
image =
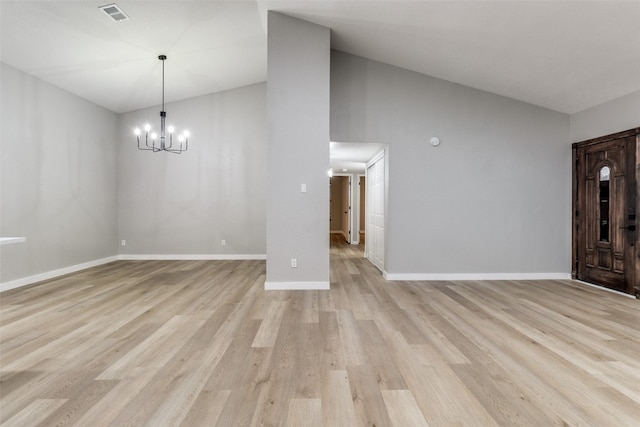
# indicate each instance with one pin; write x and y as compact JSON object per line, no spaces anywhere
{"x":114,"y":11}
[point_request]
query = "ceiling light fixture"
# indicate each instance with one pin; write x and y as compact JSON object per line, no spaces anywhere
{"x":183,"y":139}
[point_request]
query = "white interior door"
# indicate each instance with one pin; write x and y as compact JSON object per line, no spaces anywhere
{"x":374,"y":241}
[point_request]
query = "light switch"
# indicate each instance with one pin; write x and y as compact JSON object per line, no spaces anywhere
{"x":303,"y":188}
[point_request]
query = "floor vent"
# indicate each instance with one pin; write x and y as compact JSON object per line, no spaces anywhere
{"x":114,"y":12}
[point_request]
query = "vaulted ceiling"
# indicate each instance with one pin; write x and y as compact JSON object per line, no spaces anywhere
{"x":563,"y":55}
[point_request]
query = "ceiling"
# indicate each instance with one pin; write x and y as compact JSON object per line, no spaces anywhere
{"x":351,"y":157}
{"x":563,"y":55}
{"x":210,"y":45}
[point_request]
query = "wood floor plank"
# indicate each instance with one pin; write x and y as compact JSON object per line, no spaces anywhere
{"x":337,"y":405}
{"x":310,"y":304}
{"x":201,"y":343}
{"x":244,"y":397}
{"x":366,"y":395}
{"x":207,"y":408}
{"x":403,"y":409}
{"x":268,"y":332}
{"x":354,"y":350}
{"x":37,"y":411}
{"x":388,"y":376}
{"x":331,"y":349}
{"x":80,"y":396}
{"x":156,"y":350}
{"x":305,"y":412}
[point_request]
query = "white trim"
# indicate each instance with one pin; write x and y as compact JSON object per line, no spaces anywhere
{"x":375,"y":159}
{"x":10,"y":240}
{"x":355,"y":238}
{"x":54,"y":273}
{"x":192,"y":257}
{"x":602,"y":288}
{"x":476,"y":276}
{"x":296,"y":286}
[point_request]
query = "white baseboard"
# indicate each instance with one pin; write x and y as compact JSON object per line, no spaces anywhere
{"x":193,"y":257}
{"x":54,"y":273}
{"x":475,"y":276}
{"x":295,"y":286}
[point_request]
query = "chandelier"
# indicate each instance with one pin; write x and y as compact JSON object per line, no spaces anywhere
{"x":164,"y":142}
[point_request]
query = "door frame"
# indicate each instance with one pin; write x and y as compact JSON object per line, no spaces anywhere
{"x":634,"y":284}
{"x":359,"y":206}
{"x":349,"y":238}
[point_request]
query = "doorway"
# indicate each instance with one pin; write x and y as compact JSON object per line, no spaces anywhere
{"x":605,"y":206}
{"x":340,"y":206}
{"x":354,"y":159}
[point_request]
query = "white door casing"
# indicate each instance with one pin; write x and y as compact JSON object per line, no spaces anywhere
{"x":374,"y":242}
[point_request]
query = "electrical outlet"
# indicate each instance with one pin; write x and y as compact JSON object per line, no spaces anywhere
{"x":223,"y":242}
{"x":123,"y":243}
{"x":294,"y":263}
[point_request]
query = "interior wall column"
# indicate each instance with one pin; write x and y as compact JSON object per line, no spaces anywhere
{"x":297,"y":154}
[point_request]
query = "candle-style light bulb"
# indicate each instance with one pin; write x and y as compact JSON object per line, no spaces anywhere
{"x":171,"y":129}
{"x":147,"y":127}
{"x":186,"y":134}
{"x":181,"y":138}
{"x":137,"y":132}
{"x":154,"y":135}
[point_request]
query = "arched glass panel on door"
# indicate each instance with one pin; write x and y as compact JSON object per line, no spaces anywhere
{"x":604,"y":202}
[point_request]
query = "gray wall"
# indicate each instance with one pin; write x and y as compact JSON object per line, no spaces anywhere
{"x":298,"y":153}
{"x":614,"y":116}
{"x":187,"y":204}
{"x":59,"y":178}
{"x":494,"y":197}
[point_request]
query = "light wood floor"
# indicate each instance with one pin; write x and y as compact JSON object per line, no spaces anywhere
{"x":200,"y":343}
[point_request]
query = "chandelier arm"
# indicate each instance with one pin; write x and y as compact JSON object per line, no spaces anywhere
{"x":142,"y":148}
{"x":176,"y":150}
{"x":153,"y":143}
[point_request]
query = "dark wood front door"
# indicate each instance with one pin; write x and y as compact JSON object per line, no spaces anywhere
{"x":605,"y":202}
